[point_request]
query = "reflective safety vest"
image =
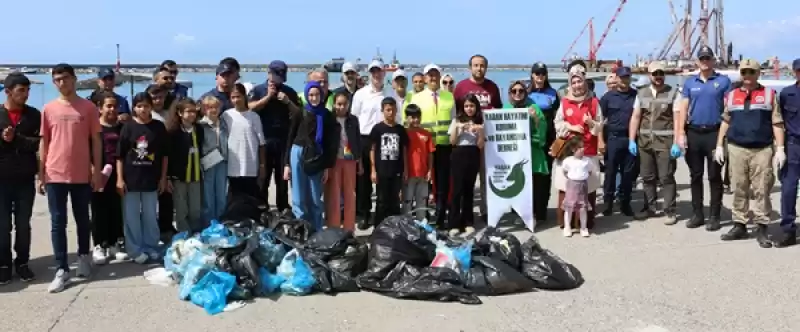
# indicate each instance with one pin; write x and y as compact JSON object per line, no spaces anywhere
{"x":436,"y":113}
{"x":750,"y":122}
{"x":656,"y":125}
{"x":573,"y":112}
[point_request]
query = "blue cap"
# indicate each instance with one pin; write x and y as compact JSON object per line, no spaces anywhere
{"x":623,"y":71}
{"x":796,"y":64}
{"x":705,"y":51}
{"x":224,"y":68}
{"x":106,"y":72}
{"x":279,"y":68}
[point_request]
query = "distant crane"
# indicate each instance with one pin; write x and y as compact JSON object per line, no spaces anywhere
{"x":594,"y":48}
{"x":685,"y":31}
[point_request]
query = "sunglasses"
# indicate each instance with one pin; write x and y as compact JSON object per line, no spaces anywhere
{"x":168,"y":78}
{"x":705,"y":58}
{"x":448,"y":82}
{"x":539,"y":74}
{"x":517,"y":91}
{"x":747,"y":72}
{"x":658,"y":73}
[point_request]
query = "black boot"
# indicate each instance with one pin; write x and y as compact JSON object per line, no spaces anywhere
{"x":609,"y":208}
{"x":788,"y":239}
{"x":762,"y":237}
{"x":696,"y":221}
{"x":737,"y":232}
{"x":626,"y":209}
{"x":713,"y":224}
{"x":645,"y":213}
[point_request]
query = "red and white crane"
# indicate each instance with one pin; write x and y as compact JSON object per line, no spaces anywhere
{"x":594,"y":48}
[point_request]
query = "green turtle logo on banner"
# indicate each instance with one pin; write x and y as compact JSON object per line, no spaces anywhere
{"x":517,"y":179}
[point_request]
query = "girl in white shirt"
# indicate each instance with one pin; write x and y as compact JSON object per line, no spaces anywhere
{"x":577,"y":169}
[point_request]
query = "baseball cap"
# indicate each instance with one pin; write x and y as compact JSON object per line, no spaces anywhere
{"x":430,"y":67}
{"x":224,"y":68}
{"x":398,"y":73}
{"x":705,"y":51}
{"x":106,"y":72}
{"x":375,"y":64}
{"x":539,"y":68}
{"x":623,"y":72}
{"x":749,"y":64}
{"x":279,"y":68}
{"x":655,"y":66}
{"x":796,"y":64}
{"x":349,"y":66}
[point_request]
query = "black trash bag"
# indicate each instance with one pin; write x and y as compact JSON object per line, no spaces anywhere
{"x":245,"y":268}
{"x":501,"y":246}
{"x":292,"y":232}
{"x":499,"y":278}
{"x":240,"y":293}
{"x":242,"y":207}
{"x":399,"y":265}
{"x":336,"y":258}
{"x":547,"y":270}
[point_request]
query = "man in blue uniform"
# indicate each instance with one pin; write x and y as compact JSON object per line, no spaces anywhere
{"x":106,"y":82}
{"x":617,"y":108}
{"x":226,"y":78}
{"x":789,"y":102}
{"x":700,"y":110}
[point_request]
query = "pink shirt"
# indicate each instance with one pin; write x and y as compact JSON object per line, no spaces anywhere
{"x":69,"y":127}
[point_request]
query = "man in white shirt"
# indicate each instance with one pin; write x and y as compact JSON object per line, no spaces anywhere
{"x":366,"y":106}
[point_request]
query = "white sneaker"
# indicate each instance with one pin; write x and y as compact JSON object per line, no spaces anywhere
{"x":567,"y":232}
{"x":100,"y":255}
{"x":585,"y":232}
{"x":468,"y":231}
{"x":141,"y":259}
{"x":454,"y":232}
{"x":84,"y":269}
{"x":115,"y":252}
{"x":59,"y":282}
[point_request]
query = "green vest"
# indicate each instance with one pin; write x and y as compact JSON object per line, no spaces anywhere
{"x":436,"y":114}
{"x":656,"y":125}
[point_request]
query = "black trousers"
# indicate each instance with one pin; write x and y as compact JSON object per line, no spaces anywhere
{"x":441,"y":169}
{"x":388,"y":197}
{"x":166,"y":213}
{"x":541,"y":195}
{"x":276,"y":151}
{"x":243,"y":186}
{"x":106,"y":218}
{"x":465,"y":167}
{"x":364,"y":181}
{"x":16,"y":209}
{"x":701,"y":142}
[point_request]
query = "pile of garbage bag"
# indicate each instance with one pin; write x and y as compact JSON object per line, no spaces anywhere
{"x":240,"y":259}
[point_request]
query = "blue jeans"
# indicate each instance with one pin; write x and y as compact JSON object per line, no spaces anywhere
{"x":80,"y":196}
{"x":306,"y":190}
{"x":215,"y":191}
{"x":141,"y":225}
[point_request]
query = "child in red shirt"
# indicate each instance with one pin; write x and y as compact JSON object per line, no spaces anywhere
{"x":420,"y":163}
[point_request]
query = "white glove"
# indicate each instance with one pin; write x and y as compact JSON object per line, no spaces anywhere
{"x":780,"y":158}
{"x":719,"y":155}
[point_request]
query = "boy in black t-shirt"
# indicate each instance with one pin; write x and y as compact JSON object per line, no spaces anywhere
{"x":389,"y":145}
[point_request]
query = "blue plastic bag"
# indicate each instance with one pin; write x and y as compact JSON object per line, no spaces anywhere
{"x":297,"y":273}
{"x":270,"y":253}
{"x":172,"y":257}
{"x":270,"y":282}
{"x":217,"y":235}
{"x":456,"y":258}
{"x":195,"y":268}
{"x":211,"y":292}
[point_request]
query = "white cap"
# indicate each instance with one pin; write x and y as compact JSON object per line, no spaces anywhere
{"x":430,"y":67}
{"x":398,"y":73}
{"x":375,"y":64}
{"x":348,"y":66}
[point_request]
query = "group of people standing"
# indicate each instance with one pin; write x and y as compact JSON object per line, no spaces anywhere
{"x":166,"y":163}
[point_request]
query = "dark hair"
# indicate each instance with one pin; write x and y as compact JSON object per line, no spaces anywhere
{"x":417,"y":74}
{"x":101,"y":97}
{"x":578,"y":62}
{"x":413,"y":110}
{"x":16,"y":79}
{"x":241,"y":89}
{"x":572,"y":145}
{"x":590,"y":85}
{"x":341,"y":94}
{"x":63,"y":68}
{"x":174,"y":121}
{"x":168,"y":63}
{"x":141,"y":97}
{"x":478,"y":56}
{"x":388,"y":101}
{"x":462,"y":116}
{"x":231,"y":61}
{"x":546,"y":83}
{"x":156,"y":89}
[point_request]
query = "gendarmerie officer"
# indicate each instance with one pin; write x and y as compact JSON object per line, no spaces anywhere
{"x":751,"y":121}
{"x":653,"y":123}
{"x":700,"y":113}
{"x":617,"y":108}
{"x":789,"y":102}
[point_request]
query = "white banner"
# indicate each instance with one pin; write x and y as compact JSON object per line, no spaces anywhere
{"x":509,"y":175}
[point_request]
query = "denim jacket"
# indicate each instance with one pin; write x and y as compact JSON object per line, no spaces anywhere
{"x":211,"y":141}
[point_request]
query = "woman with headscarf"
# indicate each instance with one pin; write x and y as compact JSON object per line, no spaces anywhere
{"x":543,"y":95}
{"x":518,"y":98}
{"x":579,"y":114}
{"x":312,"y":150}
{"x":448,"y":82}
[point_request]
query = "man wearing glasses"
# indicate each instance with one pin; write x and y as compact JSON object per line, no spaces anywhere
{"x":751,"y":122}
{"x":106,"y":82}
{"x":652,"y":133}
{"x":179,"y":91}
{"x":700,"y":116}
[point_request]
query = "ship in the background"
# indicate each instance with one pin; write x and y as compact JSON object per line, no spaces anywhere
{"x":334,"y":65}
{"x":391,"y":67}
